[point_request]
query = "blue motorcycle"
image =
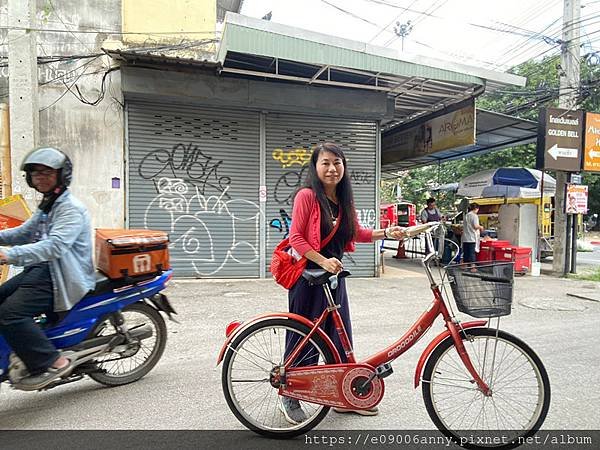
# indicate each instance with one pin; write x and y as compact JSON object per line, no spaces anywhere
{"x":115,"y":334}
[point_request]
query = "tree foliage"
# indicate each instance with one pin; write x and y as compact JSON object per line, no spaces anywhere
{"x":540,"y":91}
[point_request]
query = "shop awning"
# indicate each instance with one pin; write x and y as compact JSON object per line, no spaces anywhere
{"x":494,"y":131}
{"x":418,"y":85}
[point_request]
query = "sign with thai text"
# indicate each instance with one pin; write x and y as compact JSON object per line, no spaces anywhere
{"x":559,"y":140}
{"x":591,"y":145}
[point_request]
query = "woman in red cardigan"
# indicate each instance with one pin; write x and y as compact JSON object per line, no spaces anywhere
{"x":316,"y":210}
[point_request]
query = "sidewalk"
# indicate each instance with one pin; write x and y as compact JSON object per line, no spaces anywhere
{"x":548,"y":290}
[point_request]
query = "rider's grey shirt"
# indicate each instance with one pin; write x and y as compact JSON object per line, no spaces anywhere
{"x":63,"y":238}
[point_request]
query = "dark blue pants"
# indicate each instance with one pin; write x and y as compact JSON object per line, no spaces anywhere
{"x":310,"y":302}
{"x":469,"y":252}
{"x":23,"y":297}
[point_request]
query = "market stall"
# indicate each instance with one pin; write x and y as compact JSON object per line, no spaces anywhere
{"x":512,"y":206}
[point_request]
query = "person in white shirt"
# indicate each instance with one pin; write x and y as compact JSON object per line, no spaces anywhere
{"x":471,"y":232}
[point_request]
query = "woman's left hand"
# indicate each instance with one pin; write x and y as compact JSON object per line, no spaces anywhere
{"x":396,"y":232}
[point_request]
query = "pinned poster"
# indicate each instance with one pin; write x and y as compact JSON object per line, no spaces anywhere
{"x":13,"y":212}
{"x":577,"y":199}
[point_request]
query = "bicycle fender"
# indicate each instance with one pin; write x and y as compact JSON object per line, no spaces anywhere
{"x":280,"y":315}
{"x":435,"y":342}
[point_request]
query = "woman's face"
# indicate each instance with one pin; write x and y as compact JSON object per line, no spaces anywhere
{"x":330,"y":169}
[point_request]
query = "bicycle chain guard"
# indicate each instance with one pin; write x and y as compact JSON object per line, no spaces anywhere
{"x":336,"y":385}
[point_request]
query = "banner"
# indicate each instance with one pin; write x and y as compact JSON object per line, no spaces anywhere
{"x":451,"y":130}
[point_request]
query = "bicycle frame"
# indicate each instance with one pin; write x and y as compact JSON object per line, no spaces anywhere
{"x":415,"y":332}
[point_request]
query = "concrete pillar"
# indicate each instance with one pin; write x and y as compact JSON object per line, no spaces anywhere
{"x":569,"y":82}
{"x":23,"y":85}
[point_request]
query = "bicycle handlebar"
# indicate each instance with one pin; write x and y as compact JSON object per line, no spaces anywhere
{"x":423,"y":228}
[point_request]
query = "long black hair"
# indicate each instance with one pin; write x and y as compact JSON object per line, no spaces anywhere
{"x":343,"y":190}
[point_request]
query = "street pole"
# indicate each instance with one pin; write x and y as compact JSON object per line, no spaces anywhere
{"x":569,"y":84}
{"x":5,"y":150}
{"x":575,"y":223}
{"x":23,"y":84}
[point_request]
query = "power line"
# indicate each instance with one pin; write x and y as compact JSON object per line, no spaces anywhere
{"x":392,"y":22}
{"x":150,"y":33}
{"x":351,"y":14}
{"x":432,"y":8}
{"x":392,"y":5}
{"x":64,"y":24}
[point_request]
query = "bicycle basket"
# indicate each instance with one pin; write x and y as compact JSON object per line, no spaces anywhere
{"x":482,"y":289}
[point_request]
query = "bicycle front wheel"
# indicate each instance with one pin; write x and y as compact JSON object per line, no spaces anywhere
{"x":249,"y":379}
{"x":520,"y":395}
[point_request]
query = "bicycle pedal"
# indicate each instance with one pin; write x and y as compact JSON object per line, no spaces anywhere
{"x":384,"y":370}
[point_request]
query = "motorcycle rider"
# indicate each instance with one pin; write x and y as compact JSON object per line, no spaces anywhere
{"x":55,"y":248}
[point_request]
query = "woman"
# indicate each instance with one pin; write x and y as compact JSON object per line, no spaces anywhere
{"x":327,"y":192}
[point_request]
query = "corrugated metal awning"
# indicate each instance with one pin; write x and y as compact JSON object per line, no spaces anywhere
{"x":143,"y":58}
{"x":419,"y":85}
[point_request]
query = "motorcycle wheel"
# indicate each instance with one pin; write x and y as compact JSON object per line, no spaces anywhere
{"x":128,"y":363}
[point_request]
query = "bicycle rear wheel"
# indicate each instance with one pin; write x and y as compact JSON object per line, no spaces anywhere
{"x":249,"y":366}
{"x":520,"y":388}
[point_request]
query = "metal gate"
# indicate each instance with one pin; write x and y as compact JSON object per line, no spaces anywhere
{"x":289,"y":140}
{"x":194,"y":172}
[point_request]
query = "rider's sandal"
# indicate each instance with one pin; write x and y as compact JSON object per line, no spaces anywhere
{"x":40,"y":381}
{"x":363,"y":412}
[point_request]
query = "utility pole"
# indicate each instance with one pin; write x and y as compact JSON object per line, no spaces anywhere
{"x":5,"y":150}
{"x":568,"y":93}
{"x":23,"y":84}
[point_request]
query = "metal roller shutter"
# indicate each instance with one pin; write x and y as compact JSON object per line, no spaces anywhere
{"x":194,"y":172}
{"x":289,"y":139}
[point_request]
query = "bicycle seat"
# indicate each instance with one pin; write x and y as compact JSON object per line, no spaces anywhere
{"x":321,"y":276}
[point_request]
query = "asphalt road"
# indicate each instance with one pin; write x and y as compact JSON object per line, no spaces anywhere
{"x":184,"y":390}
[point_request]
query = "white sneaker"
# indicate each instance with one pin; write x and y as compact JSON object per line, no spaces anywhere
{"x":292,"y":411}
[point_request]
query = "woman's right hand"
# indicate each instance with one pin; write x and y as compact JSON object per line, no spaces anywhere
{"x":332,"y":265}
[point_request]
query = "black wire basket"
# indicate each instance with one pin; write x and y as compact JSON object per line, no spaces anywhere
{"x":482,"y":289}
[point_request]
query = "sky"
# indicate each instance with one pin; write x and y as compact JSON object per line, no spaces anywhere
{"x":494,"y":34}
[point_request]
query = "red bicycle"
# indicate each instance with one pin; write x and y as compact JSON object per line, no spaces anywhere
{"x":477,"y":380}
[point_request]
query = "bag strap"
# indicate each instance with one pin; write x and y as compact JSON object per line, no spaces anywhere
{"x":335,"y":228}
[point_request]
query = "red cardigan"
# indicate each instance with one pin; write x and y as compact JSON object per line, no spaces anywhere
{"x":305,"y":233}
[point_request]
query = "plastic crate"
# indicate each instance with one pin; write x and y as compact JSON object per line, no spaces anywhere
{"x":487,"y":249}
{"x":520,"y":256}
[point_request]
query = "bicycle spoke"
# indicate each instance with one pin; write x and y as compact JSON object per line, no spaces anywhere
{"x":251,"y":391}
{"x":515,"y":401}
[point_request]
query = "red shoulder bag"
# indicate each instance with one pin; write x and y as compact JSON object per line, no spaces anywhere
{"x":285,"y":268}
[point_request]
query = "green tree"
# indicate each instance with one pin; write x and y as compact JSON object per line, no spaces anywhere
{"x":540,"y":91}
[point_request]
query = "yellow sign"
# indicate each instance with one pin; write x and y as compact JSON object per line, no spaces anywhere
{"x":591,"y":146}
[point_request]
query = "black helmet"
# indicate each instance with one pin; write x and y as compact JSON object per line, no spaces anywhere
{"x":50,"y":157}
